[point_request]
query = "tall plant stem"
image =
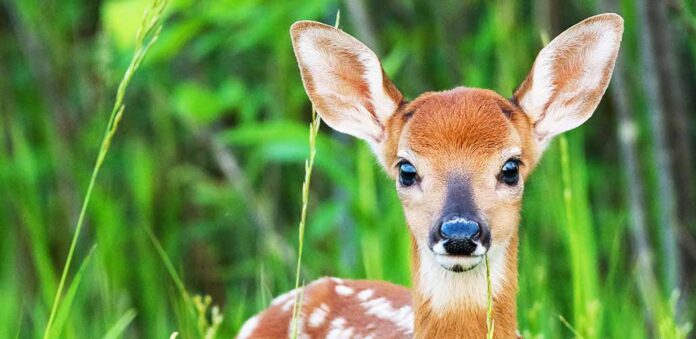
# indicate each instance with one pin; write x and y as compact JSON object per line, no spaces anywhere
{"x":313,"y":131}
{"x":148,"y":32}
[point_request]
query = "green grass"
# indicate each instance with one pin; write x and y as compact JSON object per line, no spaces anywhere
{"x":309,"y":164}
{"x":203,"y":184}
{"x":147,"y":35}
{"x":490,"y":322}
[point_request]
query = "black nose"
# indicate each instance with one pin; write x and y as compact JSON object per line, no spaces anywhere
{"x":460,"y":235}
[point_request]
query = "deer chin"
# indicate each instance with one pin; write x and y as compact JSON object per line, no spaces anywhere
{"x":458,"y":263}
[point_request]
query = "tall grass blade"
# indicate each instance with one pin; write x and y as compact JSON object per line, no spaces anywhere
{"x":189,"y":308}
{"x":168,"y":265}
{"x":121,"y":324}
{"x":313,"y":131}
{"x":148,"y":33}
{"x":490,"y":325}
{"x":570,"y":327}
{"x":64,"y":309}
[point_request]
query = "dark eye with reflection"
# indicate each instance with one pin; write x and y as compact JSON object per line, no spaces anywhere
{"x":510,"y":173}
{"x":407,"y":174}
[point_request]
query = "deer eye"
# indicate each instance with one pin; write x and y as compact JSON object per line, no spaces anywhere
{"x":510,"y":173}
{"x":407,"y":174}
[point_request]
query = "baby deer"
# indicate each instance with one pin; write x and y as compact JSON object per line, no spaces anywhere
{"x":459,"y":159}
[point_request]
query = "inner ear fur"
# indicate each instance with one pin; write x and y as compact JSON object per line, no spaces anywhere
{"x":345,"y":82}
{"x":570,"y":76}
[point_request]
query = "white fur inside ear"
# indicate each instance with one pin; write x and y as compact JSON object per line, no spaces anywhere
{"x":344,"y":79}
{"x":384,"y":105}
{"x":570,"y":75}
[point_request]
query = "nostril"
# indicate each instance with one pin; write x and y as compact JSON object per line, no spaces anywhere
{"x":459,"y":246}
{"x":460,"y":229}
{"x":477,"y":234}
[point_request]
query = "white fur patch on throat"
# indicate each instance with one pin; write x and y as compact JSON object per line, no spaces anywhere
{"x":448,"y":290}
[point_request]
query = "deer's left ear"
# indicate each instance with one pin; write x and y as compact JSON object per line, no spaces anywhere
{"x":570,"y":76}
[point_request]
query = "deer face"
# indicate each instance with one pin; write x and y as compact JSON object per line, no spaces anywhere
{"x":459,"y":158}
{"x":459,"y":162}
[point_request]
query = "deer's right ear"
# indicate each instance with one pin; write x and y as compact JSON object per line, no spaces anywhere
{"x":344,"y":81}
{"x":570,"y":75}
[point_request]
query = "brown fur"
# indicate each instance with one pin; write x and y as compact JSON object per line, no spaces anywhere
{"x":471,"y":323}
{"x":463,"y":133}
{"x":463,"y":123}
{"x":459,"y":132}
{"x":276,"y":319}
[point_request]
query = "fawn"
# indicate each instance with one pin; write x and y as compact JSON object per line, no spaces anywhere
{"x":459,"y":159}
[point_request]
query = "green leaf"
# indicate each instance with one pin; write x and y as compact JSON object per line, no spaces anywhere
{"x":198,"y":104}
{"x":121,"y":324}
{"x":64,"y":310}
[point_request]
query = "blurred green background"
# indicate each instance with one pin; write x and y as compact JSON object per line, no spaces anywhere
{"x":210,"y":157}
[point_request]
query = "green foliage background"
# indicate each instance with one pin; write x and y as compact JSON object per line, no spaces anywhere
{"x":210,"y":156}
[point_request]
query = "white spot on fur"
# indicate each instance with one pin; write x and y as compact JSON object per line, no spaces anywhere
{"x":451,"y":290}
{"x":284,"y":298}
{"x":288,"y":299}
{"x":317,"y":318}
{"x":338,"y":330}
{"x":337,"y":280}
{"x":382,"y":308}
{"x":300,"y":327}
{"x":288,"y":305}
{"x":365,"y":294}
{"x":344,"y":290}
{"x":248,"y":327}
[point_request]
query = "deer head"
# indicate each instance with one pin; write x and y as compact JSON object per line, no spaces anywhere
{"x":459,"y":158}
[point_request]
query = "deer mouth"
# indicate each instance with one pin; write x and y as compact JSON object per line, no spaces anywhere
{"x":458,"y":263}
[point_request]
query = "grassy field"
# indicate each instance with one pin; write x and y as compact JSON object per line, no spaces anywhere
{"x":192,"y":225}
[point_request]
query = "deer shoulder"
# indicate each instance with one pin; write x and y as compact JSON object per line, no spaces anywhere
{"x":337,"y":308}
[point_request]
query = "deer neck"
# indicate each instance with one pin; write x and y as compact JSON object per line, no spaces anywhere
{"x":449,"y":304}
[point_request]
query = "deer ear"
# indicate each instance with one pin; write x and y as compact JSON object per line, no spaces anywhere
{"x":344,"y":81}
{"x":570,"y":76}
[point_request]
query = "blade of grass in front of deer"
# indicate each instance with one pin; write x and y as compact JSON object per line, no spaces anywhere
{"x":313,"y":131}
{"x":490,"y":325}
{"x":148,"y":33}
